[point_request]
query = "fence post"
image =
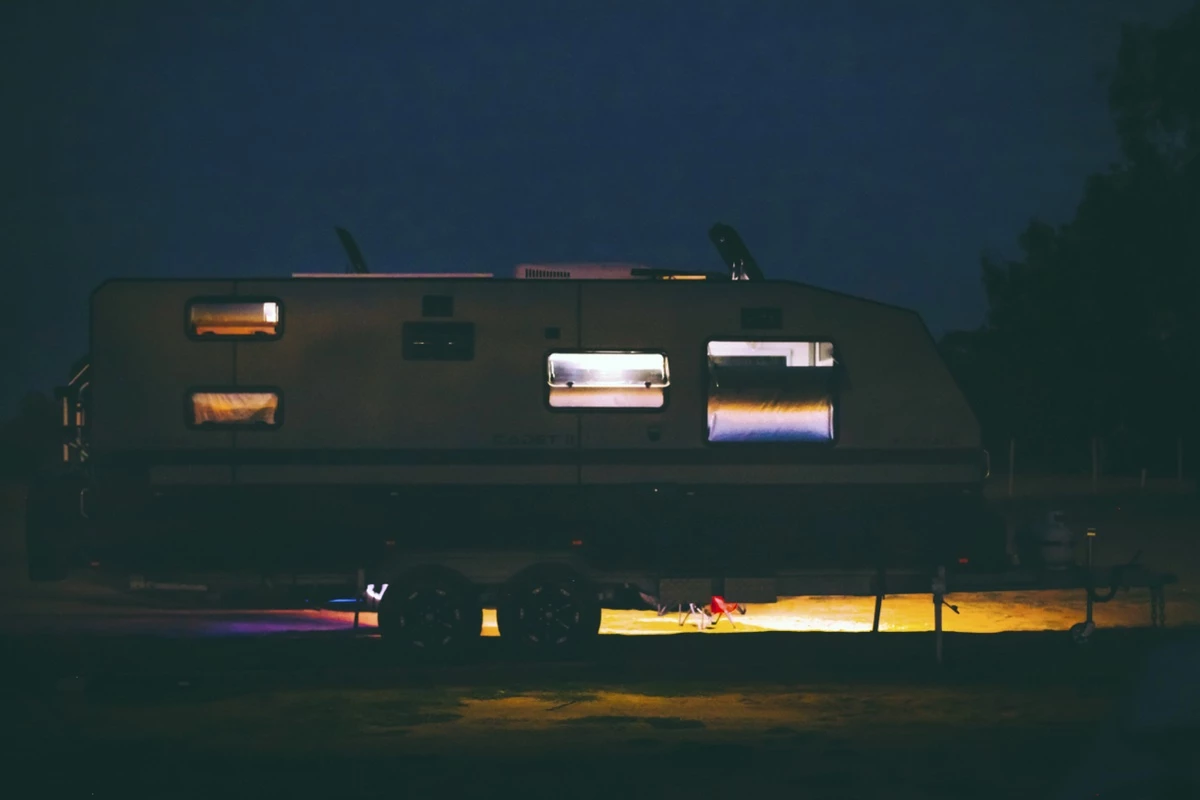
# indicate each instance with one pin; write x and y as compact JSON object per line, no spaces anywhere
{"x":1012,"y":450}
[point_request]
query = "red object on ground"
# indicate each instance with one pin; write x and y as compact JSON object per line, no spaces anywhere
{"x":719,"y":606}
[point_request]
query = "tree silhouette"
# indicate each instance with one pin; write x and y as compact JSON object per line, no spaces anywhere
{"x":1095,"y":329}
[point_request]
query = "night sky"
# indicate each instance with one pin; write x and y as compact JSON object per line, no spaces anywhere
{"x":874,"y":148}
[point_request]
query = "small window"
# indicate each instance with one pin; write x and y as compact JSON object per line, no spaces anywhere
{"x":770,"y":391}
{"x":240,"y":409}
{"x":607,"y":380}
{"x":439,"y":341}
{"x":234,"y":318}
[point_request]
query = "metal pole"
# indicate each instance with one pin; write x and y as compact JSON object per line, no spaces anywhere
{"x":939,"y":593}
{"x":937,"y":625}
{"x":880,"y":588}
{"x":1091,"y":537}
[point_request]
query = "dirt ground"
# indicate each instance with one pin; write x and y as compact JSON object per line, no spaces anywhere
{"x":105,"y":695}
{"x":838,"y":715}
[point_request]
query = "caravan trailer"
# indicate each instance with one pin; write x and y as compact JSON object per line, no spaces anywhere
{"x":544,"y":443}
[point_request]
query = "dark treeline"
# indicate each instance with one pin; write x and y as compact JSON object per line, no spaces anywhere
{"x":1095,"y":329}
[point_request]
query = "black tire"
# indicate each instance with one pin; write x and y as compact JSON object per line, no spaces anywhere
{"x":549,"y":609}
{"x":431,"y":612}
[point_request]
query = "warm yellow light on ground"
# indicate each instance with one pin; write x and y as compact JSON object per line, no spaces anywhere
{"x":978,"y":613}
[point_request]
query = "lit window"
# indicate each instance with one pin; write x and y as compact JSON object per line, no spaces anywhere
{"x":234,"y":318}
{"x":607,"y":380}
{"x":770,"y":391}
{"x":256,"y":409}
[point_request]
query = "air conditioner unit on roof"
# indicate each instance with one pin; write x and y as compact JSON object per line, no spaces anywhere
{"x":612,"y":271}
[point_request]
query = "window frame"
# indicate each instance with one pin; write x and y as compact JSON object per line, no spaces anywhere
{"x":836,"y":377}
{"x":189,"y":415}
{"x":190,"y":332}
{"x":546,"y":387}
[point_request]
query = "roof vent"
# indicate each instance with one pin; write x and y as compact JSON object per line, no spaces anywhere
{"x":544,"y":272}
{"x":609,"y":271}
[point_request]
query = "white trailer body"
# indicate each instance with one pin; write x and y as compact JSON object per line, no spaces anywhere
{"x":686,"y":429}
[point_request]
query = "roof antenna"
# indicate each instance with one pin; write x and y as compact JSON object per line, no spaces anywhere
{"x":742,"y":266}
{"x":357,"y":264}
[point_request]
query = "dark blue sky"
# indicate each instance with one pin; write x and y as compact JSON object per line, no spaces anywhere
{"x":871,"y":147}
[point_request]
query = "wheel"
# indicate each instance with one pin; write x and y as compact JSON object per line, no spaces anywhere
{"x":431,"y":611}
{"x":549,"y":609}
{"x":1081,"y":632}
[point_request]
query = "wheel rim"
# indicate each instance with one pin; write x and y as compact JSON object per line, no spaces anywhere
{"x":430,"y":617}
{"x":550,"y":614}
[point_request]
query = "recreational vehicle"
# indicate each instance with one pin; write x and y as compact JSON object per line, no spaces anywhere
{"x":542,"y":443}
